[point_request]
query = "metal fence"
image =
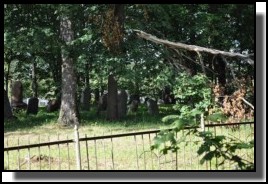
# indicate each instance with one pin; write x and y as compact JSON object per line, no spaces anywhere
{"x":127,"y":151}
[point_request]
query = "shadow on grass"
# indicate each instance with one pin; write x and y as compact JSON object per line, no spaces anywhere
{"x":88,"y":118}
{"x":141,"y":117}
{"x":24,"y":122}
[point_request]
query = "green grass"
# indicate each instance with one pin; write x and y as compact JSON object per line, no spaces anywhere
{"x":46,"y":123}
{"x":121,"y":153}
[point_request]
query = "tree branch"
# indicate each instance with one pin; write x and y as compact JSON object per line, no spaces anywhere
{"x":244,"y":100}
{"x":191,"y":47}
{"x":193,"y":60}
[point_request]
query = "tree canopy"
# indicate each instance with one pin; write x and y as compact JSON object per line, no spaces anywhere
{"x":101,"y":46}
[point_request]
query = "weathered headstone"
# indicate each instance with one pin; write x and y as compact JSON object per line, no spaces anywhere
{"x":133,"y":97}
{"x":96,"y":95}
{"x":167,"y":96}
{"x":17,"y":96}
{"x":152,"y":107}
{"x":85,"y":98}
{"x":7,"y":108}
{"x":102,"y":105}
{"x":32,"y":107}
{"x":122,"y":103}
{"x":133,"y":107}
{"x":53,"y":105}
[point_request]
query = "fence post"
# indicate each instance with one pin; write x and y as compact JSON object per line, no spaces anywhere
{"x":77,"y":147}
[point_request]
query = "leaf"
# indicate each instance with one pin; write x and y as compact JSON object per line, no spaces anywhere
{"x":169,"y":118}
{"x":217,"y":117}
{"x":195,"y":112}
{"x":209,"y":156}
{"x":178,"y":125}
{"x":243,"y":146}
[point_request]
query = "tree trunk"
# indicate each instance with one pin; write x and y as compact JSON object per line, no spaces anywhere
{"x":34,"y":80}
{"x":7,"y":74}
{"x":112,"y":113}
{"x":69,"y":111}
{"x":87,"y":74}
{"x":220,"y":66}
{"x":7,"y":108}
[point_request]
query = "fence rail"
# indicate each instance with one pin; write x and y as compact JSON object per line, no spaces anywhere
{"x":103,"y":151}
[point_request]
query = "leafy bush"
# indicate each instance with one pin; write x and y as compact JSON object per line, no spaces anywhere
{"x":194,"y":95}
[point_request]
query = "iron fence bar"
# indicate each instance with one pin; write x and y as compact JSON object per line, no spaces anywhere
{"x":112,"y":136}
{"x":104,"y":148}
{"x":39,"y":153}
{"x":18,"y":154}
{"x":7,"y":157}
{"x":87,"y":154}
{"x":49,"y":157}
{"x":112,"y":152}
{"x":144,"y":160}
{"x":29,"y":155}
{"x":150,"y":143}
{"x":137,"y":157}
{"x":59,"y":154}
{"x":96,"y":155}
{"x":68,"y":153}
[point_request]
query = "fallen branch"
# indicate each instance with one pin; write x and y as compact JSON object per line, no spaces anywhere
{"x":244,"y":100}
{"x":192,"y":47}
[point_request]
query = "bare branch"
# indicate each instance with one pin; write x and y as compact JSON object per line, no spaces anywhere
{"x":244,"y":100}
{"x":191,"y":47}
{"x":190,"y":59}
{"x":201,"y":61}
{"x":232,"y":71}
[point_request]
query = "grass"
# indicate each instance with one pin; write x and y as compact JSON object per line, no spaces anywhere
{"x":44,"y":123}
{"x":117,"y":154}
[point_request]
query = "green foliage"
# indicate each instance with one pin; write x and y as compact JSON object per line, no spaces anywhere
{"x":196,"y":90}
{"x":194,"y":94}
{"x":217,"y":117}
{"x":224,"y":147}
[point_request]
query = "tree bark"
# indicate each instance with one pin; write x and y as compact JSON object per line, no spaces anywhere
{"x":112,"y":113}
{"x":7,"y":74}
{"x":7,"y":108}
{"x":220,"y":67}
{"x":34,"y":80}
{"x":69,"y":112}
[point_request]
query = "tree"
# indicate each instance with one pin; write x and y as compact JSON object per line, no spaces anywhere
{"x":69,"y":110}
{"x":112,"y":113}
{"x":7,"y":108}
{"x":113,"y":40}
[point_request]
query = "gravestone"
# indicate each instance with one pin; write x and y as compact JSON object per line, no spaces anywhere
{"x":102,"y":105}
{"x":133,"y":97}
{"x":17,"y":95}
{"x":133,"y":107}
{"x":122,"y":103}
{"x":32,"y":107}
{"x":85,"y":99}
{"x":167,"y":96}
{"x":96,"y":95}
{"x":53,"y":105}
{"x":152,"y":107}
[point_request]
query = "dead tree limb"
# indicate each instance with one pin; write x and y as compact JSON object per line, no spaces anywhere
{"x":244,"y":100}
{"x":197,"y":63}
{"x":192,"y":47}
